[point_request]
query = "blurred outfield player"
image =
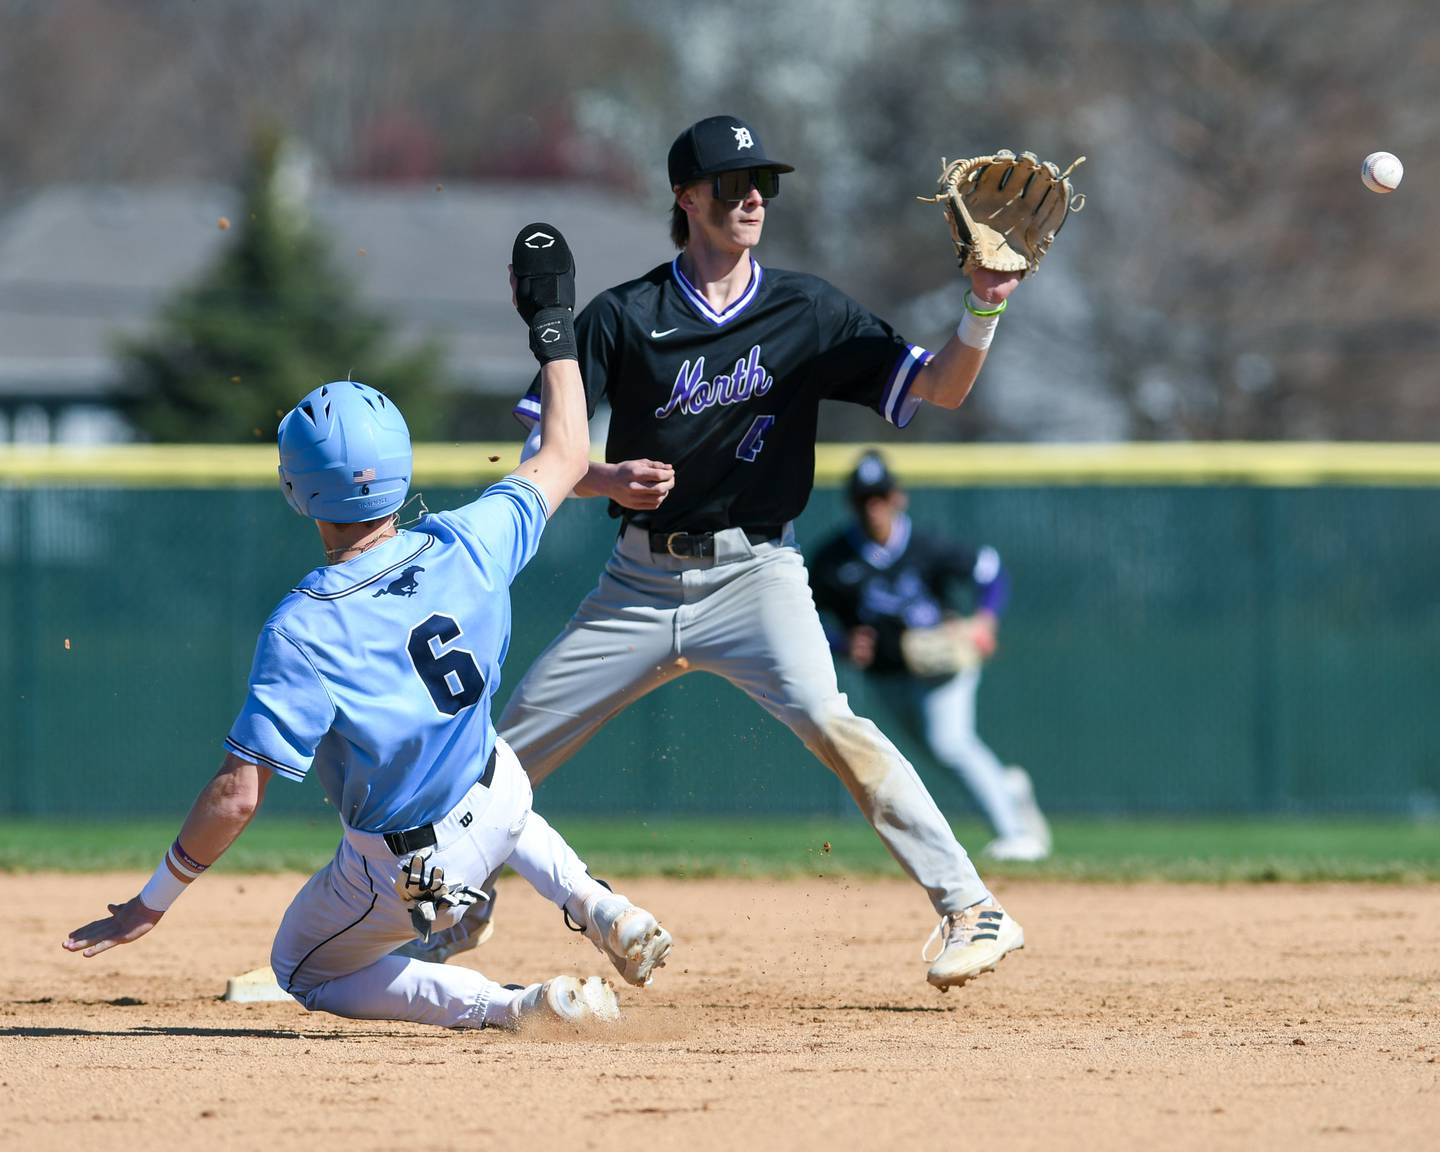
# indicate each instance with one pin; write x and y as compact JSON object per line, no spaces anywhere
{"x":377,"y":672}
{"x":895,"y":592}
{"x":715,"y":368}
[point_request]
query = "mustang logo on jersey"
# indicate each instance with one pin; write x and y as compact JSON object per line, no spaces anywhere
{"x":692,"y":393}
{"x":403,"y":585}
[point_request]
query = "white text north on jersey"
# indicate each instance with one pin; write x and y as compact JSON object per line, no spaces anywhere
{"x":692,"y":393}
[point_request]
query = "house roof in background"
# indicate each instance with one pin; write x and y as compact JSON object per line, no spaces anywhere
{"x":80,"y":265}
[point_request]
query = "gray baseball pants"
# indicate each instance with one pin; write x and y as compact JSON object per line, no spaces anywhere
{"x":747,"y":615}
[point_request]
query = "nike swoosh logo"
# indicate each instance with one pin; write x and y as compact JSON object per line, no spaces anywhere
{"x":656,"y":335}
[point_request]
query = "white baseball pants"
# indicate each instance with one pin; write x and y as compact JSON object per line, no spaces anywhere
{"x":332,"y":951}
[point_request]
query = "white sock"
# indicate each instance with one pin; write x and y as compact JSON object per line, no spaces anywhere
{"x":502,"y":1008}
{"x":586,"y":892}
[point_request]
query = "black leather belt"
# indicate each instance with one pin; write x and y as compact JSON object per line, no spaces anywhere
{"x":414,"y":839}
{"x":701,"y":545}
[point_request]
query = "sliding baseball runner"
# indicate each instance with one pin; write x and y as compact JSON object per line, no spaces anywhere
{"x":375,"y":673}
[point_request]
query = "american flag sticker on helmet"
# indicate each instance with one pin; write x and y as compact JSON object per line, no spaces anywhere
{"x":364,"y":476}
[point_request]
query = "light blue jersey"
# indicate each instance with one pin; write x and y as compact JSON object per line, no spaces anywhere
{"x":379,"y":671}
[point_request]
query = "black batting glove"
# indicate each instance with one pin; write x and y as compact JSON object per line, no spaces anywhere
{"x":545,"y":290}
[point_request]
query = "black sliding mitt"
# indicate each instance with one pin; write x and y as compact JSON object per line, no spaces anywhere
{"x":544,"y":273}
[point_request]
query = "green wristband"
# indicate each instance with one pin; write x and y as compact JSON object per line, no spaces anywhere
{"x":969,"y":307}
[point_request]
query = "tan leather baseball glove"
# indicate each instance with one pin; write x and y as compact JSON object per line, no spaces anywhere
{"x":947,"y":648}
{"x":1004,"y":210}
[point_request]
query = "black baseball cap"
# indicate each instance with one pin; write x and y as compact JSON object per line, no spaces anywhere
{"x":872,"y":477}
{"x":717,"y":144}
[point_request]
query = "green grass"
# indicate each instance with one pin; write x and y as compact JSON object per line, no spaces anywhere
{"x":1109,"y":850}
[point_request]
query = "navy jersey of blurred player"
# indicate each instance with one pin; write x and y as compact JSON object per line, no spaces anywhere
{"x":879,"y":579}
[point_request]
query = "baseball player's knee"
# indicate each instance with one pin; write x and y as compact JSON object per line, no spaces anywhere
{"x":282,"y":965}
{"x":852,"y":747}
{"x":305,"y":988}
{"x":812,"y":718}
{"x":311,"y":996}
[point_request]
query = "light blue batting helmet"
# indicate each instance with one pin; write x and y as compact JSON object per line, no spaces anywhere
{"x":344,"y":454}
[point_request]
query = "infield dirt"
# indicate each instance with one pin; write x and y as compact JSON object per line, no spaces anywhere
{"x":793,"y":1014}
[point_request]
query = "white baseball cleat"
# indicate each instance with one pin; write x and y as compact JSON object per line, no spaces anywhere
{"x":566,"y":1000}
{"x":630,"y":936}
{"x":1024,"y":848}
{"x":973,"y":941}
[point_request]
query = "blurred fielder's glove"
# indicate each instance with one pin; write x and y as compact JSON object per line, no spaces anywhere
{"x":424,"y":888}
{"x":944,"y":650}
{"x":1004,"y":210}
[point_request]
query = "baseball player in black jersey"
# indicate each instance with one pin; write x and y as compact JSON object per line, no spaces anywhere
{"x":715,"y":367}
{"x":895,"y":592}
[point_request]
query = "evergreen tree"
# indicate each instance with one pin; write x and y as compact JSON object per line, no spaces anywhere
{"x":270,"y":320}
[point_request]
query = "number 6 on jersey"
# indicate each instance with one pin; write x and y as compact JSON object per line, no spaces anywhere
{"x":452,"y":678}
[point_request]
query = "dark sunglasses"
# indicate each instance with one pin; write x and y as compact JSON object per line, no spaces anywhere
{"x":736,"y":185}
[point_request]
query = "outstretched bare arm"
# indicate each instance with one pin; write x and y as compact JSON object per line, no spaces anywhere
{"x":220,"y":813}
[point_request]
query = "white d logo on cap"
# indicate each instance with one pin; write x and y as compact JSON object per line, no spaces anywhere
{"x":743,"y":139}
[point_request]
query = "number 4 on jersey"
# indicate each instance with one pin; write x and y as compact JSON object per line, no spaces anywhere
{"x":754,"y":439}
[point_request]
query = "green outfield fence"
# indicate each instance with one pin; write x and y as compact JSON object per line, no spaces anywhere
{"x":1195,"y":628}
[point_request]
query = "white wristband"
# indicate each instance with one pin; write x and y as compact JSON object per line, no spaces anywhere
{"x":162,"y":889}
{"x":175,"y":874}
{"x":977,"y":328}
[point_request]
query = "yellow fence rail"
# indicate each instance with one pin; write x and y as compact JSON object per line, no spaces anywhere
{"x":1294,"y":465}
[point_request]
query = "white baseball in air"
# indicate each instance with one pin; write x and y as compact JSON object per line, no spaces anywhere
{"x":1382,"y":172}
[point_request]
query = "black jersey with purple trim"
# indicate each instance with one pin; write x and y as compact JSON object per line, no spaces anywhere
{"x":731,"y":399}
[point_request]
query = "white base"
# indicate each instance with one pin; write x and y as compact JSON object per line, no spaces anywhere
{"x":253,"y":987}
